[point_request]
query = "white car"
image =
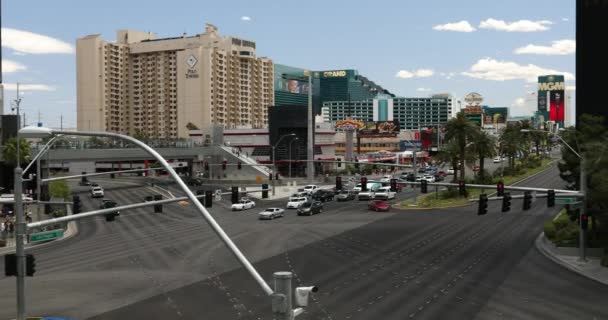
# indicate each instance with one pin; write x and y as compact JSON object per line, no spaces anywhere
{"x":497,"y":160}
{"x":271,"y":213}
{"x":311,"y":188}
{"x":96,"y":192}
{"x":429,"y":178}
{"x":298,"y":195}
{"x":386,"y":179}
{"x":450,"y":171}
{"x":384,"y":193}
{"x":243,"y":204}
{"x":296,"y":203}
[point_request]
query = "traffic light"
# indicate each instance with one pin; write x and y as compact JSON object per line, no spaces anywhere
{"x":584,"y":222}
{"x":10,"y":265}
{"x":394,"y":185}
{"x":30,"y":265}
{"x":357,"y":164}
{"x":206,"y":166}
{"x":338,"y":183}
{"x":339,"y":163}
{"x":550,"y":198}
{"x":276,"y":176}
{"x":112,"y":175}
{"x":483,"y":204}
{"x":270,"y":176}
{"x":76,"y":205}
{"x":224,"y":163}
{"x":208,"y":199}
{"x":363,"y":184}
{"x":462,"y":188}
{"x":500,"y":189}
{"x":423,"y":186}
{"x":265,"y":191}
{"x":199,"y":193}
{"x":506,"y":202}
{"x":235,"y":194}
{"x":158,"y":208}
{"x":239,"y":165}
{"x":527,"y":200}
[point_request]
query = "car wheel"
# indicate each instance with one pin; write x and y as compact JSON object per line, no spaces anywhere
{"x":320,"y":210}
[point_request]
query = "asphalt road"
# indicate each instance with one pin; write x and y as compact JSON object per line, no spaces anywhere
{"x":432,"y":264}
{"x":144,"y":254}
{"x":443,"y":264}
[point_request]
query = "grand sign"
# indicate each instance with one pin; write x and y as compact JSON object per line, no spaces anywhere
{"x":334,"y":74}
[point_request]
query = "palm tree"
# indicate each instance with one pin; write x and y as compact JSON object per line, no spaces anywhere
{"x":512,"y":141}
{"x":450,"y":154}
{"x":9,"y":152}
{"x":460,"y":130}
{"x":484,"y":146}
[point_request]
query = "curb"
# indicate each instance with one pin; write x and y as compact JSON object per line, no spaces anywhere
{"x":541,"y":245}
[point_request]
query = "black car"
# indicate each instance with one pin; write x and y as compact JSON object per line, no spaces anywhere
{"x":408,"y":177}
{"x":310,"y":208}
{"x":107,"y":203}
{"x":194,"y":181}
{"x":323,"y":195}
{"x":84,"y":183}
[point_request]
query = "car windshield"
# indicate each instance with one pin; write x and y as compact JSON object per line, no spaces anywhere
{"x":307,"y":205}
{"x":344,"y":192}
{"x":269,"y":210}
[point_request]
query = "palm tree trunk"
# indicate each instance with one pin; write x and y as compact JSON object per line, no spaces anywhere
{"x":462,"y":155}
{"x":481,"y":163}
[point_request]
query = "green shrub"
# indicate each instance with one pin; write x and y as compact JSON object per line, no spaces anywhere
{"x":549,"y":228}
{"x":604,"y":261}
{"x":59,"y":189}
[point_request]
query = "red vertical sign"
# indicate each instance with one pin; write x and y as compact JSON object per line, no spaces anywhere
{"x":557,"y":106}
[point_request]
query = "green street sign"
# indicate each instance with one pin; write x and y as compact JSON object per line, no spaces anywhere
{"x":576,"y":205}
{"x":565,"y":200}
{"x":47,"y":235}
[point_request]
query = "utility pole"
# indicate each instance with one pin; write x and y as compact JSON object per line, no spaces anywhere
{"x":61,"y":121}
{"x":310,"y":170}
{"x":1,"y":83}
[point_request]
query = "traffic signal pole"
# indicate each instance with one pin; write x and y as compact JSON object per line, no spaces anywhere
{"x":20,"y":245}
{"x":582,"y":233}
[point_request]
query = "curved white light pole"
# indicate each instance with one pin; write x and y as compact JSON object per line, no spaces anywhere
{"x":274,"y":160}
{"x":39,"y":132}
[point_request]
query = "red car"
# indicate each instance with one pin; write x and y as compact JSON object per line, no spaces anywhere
{"x":378,"y":205}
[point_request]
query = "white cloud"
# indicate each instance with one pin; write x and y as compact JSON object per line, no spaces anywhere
{"x":565,"y":19}
{"x":423,"y":89}
{"x":519,"y":102}
{"x":12,"y":66}
{"x":34,"y":43}
{"x":570,"y":88}
{"x":246,"y":18}
{"x":420,"y":73}
{"x":491,"y":69}
{"x":559,"y":47}
{"x":27,"y":87}
{"x":461,"y":26}
{"x":516,"y":26}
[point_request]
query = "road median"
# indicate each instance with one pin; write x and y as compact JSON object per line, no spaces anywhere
{"x":449,"y":198}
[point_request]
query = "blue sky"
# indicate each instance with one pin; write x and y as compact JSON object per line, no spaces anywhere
{"x":381,"y":39}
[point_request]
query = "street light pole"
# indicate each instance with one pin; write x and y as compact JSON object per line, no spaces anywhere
{"x":20,"y":245}
{"x":290,"y":142}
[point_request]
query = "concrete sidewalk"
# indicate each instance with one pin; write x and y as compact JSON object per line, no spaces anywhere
{"x":590,"y":269}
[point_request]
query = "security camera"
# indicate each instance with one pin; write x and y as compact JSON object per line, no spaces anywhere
{"x":302,"y":295}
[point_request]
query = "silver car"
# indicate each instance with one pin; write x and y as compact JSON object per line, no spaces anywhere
{"x":271,"y":213}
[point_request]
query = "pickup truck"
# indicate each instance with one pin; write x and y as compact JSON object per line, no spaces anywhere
{"x":384,"y":193}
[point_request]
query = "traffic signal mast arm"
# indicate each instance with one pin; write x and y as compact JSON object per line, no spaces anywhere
{"x":120,"y":208}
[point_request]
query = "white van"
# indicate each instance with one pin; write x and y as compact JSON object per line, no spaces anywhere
{"x":372,"y":187}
